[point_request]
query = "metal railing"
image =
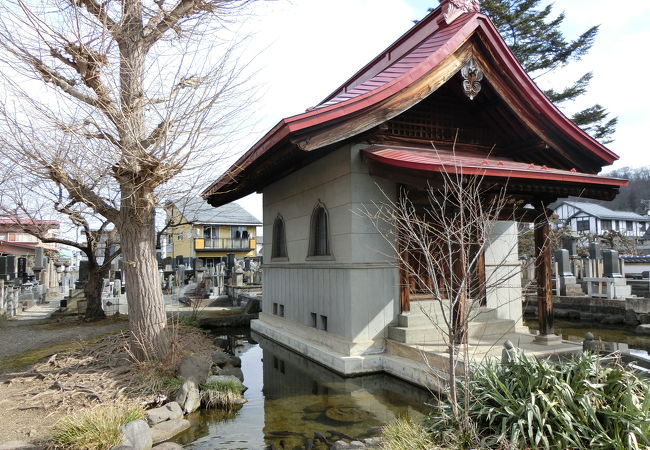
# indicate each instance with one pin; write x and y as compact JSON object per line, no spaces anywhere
{"x":225,"y":244}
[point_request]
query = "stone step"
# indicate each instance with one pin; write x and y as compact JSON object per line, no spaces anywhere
{"x":435,"y":335}
{"x":491,"y":327}
{"x":416,"y":335}
{"x":419,"y":317}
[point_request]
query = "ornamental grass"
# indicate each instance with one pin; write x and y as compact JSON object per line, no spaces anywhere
{"x":584,"y":402}
{"x":96,"y":428}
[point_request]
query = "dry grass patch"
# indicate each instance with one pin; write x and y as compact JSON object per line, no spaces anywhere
{"x":97,"y":428}
{"x":101,"y":371}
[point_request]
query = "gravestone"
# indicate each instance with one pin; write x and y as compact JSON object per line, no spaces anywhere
{"x":568,"y":282}
{"x":570,"y":244}
{"x":84,"y":270}
{"x":611,"y":264}
{"x":4,"y":272}
{"x":238,"y":277}
{"x":595,"y":251}
{"x":11,"y":267}
{"x":198,"y":264}
{"x":38,"y":259}
{"x":22,"y":268}
{"x":563,"y":262}
{"x":247,"y":264}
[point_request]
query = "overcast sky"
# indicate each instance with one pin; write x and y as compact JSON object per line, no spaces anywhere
{"x":304,"y":49}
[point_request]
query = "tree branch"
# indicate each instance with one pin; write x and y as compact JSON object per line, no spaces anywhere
{"x":109,"y":260}
{"x":165,"y":21}
{"x":82,"y":193}
{"x":100,"y":13}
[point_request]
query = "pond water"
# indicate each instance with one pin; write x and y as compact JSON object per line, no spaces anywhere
{"x":290,"y":398}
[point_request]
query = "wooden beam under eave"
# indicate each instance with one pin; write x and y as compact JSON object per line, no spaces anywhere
{"x":391,"y":107}
{"x":521,"y":110}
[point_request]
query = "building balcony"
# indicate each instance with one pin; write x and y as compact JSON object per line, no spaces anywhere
{"x":223,"y":244}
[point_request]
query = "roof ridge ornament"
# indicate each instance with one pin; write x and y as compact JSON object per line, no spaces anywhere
{"x":472,"y":77}
{"x":453,"y":9}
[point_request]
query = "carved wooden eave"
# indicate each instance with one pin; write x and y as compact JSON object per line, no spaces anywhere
{"x":426,"y":58}
{"x":453,"y":9}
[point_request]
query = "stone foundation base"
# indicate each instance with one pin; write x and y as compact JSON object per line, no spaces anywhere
{"x":548,"y":339}
{"x":407,"y":369}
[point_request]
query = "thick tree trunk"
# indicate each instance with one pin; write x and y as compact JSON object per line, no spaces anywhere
{"x":93,"y":293}
{"x":136,"y":173}
{"x":147,"y":318}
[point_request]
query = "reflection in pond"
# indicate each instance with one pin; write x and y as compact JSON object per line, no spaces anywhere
{"x":292,"y":399}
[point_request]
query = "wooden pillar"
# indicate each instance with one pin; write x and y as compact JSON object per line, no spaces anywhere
{"x":404,"y":279}
{"x":404,"y":300}
{"x":543,"y":276}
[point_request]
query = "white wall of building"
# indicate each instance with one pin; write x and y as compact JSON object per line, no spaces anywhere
{"x":503,"y":272}
{"x":357,"y":288}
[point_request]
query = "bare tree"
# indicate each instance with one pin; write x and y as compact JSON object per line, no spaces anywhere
{"x":120,"y":96}
{"x":98,"y":240}
{"x":439,"y":238}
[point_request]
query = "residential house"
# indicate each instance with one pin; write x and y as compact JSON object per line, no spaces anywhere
{"x":17,"y":242}
{"x":198,"y":231}
{"x":446,"y":97}
{"x":591,"y":218}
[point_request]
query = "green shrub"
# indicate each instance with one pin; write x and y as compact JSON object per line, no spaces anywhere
{"x":222,"y":394}
{"x":95,"y":429}
{"x":585,"y":402}
{"x":405,"y":435}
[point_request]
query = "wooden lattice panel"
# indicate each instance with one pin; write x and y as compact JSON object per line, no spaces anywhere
{"x":438,"y":125}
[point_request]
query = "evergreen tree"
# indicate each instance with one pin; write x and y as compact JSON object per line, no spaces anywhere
{"x":535,"y":38}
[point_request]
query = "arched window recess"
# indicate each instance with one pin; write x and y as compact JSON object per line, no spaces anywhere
{"x":319,"y":234}
{"x":279,"y":243}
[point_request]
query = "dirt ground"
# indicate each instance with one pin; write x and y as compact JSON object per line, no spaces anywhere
{"x":23,"y":343}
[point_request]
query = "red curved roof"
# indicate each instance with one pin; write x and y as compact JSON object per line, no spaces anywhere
{"x":467,"y":164}
{"x":409,"y":59}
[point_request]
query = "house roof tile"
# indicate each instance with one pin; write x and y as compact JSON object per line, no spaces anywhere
{"x":603,"y":212}
{"x":198,"y":211}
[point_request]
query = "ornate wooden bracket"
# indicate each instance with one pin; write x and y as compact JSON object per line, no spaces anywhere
{"x":456,"y":8}
{"x":472,"y":77}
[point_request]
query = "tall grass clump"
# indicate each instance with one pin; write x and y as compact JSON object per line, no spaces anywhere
{"x":585,"y":402}
{"x":95,"y":429}
{"x":402,"y":434}
{"x":221,"y":394}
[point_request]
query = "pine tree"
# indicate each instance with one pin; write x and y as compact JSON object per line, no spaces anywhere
{"x":535,"y":38}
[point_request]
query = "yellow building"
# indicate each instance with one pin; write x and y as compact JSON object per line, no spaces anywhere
{"x":199,"y":231}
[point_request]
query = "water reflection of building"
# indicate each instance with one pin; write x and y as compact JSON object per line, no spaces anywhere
{"x":303,"y":397}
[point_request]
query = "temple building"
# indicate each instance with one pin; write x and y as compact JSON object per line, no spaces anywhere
{"x":446,"y":97}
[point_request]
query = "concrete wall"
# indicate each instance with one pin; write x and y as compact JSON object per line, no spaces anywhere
{"x":503,"y":272}
{"x":356,"y":288}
